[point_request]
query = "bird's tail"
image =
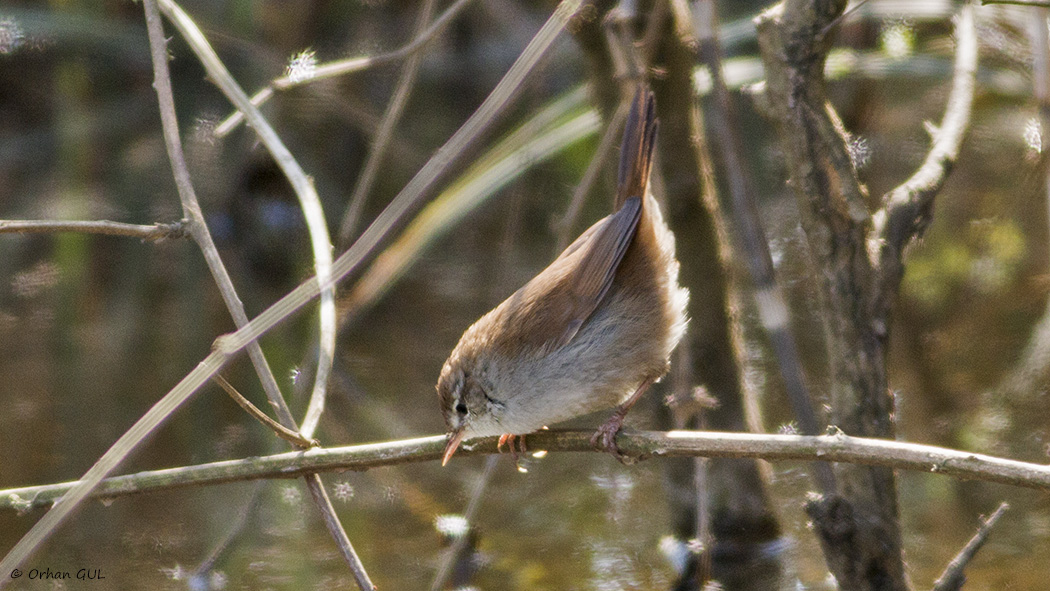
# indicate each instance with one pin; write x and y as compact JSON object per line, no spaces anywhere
{"x":636,"y":154}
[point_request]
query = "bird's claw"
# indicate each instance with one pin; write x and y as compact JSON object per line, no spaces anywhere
{"x":604,"y":439}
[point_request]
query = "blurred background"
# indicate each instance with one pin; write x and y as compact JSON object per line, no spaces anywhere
{"x":95,"y":329}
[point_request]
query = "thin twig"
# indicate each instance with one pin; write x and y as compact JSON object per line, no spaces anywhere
{"x":908,"y":208}
{"x":953,"y":577}
{"x":1018,"y":2}
{"x":227,"y":346}
{"x":454,"y":550}
{"x":321,"y":245}
{"x":346,"y":66}
{"x":155,"y":233}
{"x":335,"y":528}
{"x":317,"y":226}
{"x":280,"y":430}
{"x":391,"y":117}
{"x":609,"y":139}
{"x":192,"y":211}
{"x":898,"y":455}
{"x":769,"y":297}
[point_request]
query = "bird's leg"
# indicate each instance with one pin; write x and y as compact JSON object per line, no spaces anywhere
{"x":605,"y":437}
{"x":508,"y":440}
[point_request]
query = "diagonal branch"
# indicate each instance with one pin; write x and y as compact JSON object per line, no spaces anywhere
{"x":303,"y":185}
{"x":227,"y":346}
{"x":953,"y":578}
{"x":391,"y":117}
{"x":346,"y":66}
{"x":280,"y":430}
{"x":908,"y":209}
{"x":316,"y":224}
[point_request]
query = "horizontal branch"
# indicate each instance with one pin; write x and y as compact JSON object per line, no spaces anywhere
{"x":1018,"y":2}
{"x":832,"y":448}
{"x":158,"y":231}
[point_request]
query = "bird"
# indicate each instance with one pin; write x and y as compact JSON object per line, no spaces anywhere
{"x":591,"y":331}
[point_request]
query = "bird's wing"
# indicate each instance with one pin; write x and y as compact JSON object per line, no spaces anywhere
{"x":549,"y":310}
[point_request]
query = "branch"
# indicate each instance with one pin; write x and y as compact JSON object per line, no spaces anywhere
{"x":317,"y":227}
{"x":953,"y":578}
{"x":227,"y":346}
{"x":305,"y":192}
{"x":830,"y":448}
{"x":155,"y":233}
{"x":769,"y":296}
{"x":289,"y":435}
{"x":391,"y":117}
{"x":191,"y":210}
{"x":346,"y":66}
{"x":908,"y":209}
{"x":1018,"y":2}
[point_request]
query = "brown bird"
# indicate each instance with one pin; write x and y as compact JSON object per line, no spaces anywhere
{"x":593,"y":330}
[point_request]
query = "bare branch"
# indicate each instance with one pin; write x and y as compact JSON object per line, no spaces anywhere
{"x":319,"y":240}
{"x":1018,"y":2}
{"x":155,"y":233}
{"x":953,"y":578}
{"x":346,"y":66}
{"x":609,"y":140}
{"x":769,"y":297}
{"x":317,"y":226}
{"x":192,"y":210}
{"x":280,"y":430}
{"x":229,"y":345}
{"x":832,"y":448}
{"x":908,"y":209}
{"x":391,"y":116}
{"x":335,"y":529}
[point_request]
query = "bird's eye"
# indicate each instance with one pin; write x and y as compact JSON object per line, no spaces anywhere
{"x":461,"y":408}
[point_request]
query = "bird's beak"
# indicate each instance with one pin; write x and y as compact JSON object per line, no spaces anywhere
{"x":453,"y":442}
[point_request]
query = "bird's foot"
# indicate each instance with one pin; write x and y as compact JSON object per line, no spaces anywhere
{"x":508,"y":440}
{"x":604,"y":439}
